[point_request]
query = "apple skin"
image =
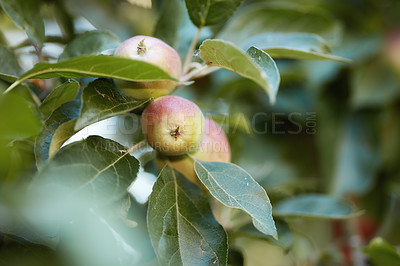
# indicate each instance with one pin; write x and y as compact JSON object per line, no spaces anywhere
{"x":173,"y":125}
{"x":214,"y":147}
{"x":153,"y":51}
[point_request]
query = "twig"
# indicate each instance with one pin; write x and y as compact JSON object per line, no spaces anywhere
{"x":189,"y":54}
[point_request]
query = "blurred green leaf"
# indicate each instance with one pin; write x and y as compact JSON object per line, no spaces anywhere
{"x":279,"y":17}
{"x":90,"y":43}
{"x":26,"y":14}
{"x":285,"y":237}
{"x":64,"y":113}
{"x":95,"y":169}
{"x":9,"y":66}
{"x":211,"y":12}
{"x":181,"y":226}
{"x":358,"y":156}
{"x":314,"y":206}
{"x":170,"y":20}
{"x":235,"y":188}
{"x":382,"y":253}
{"x":96,"y":66}
{"x":64,"y":93}
{"x":373,"y":84}
{"x":296,"y":45}
{"x":18,"y":118}
{"x":255,"y":65}
{"x":101,"y":99}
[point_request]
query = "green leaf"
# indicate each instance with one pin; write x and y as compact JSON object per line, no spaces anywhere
{"x":285,"y":237}
{"x":26,"y":14}
{"x":9,"y":66}
{"x":382,"y":253}
{"x":101,"y":99}
{"x":211,"y":12}
{"x":64,"y":93}
{"x":169,"y":22}
{"x":61,"y":135}
{"x":96,"y":66}
{"x":294,"y":46}
{"x":255,"y":65}
{"x":90,"y":43}
{"x":280,"y":17}
{"x":95,"y":169}
{"x":19,"y":119}
{"x":358,"y":156}
{"x":175,"y":28}
{"x":63,"y":114}
{"x":182,"y":228}
{"x":373,"y":84}
{"x":235,"y":188}
{"x":314,"y":206}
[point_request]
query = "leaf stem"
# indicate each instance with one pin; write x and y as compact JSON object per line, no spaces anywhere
{"x":136,"y":146}
{"x":189,"y":54}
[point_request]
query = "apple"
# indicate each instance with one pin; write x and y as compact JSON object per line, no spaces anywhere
{"x":214,"y":147}
{"x":173,"y":125}
{"x":153,"y":51}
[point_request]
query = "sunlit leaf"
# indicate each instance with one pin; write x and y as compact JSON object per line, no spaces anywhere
{"x":382,"y":253}
{"x":96,"y":66}
{"x":235,"y":188}
{"x":255,"y":65}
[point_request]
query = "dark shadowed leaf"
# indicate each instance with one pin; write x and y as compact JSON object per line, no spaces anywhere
{"x":9,"y":66}
{"x":315,"y":206}
{"x":169,"y":22}
{"x":294,"y":46}
{"x":255,"y":65}
{"x":26,"y":14}
{"x":18,"y":118}
{"x":90,"y":43}
{"x":101,"y":99}
{"x":382,"y":253}
{"x":95,"y":169}
{"x":211,"y":12}
{"x":64,"y":93}
{"x":235,"y":188}
{"x":280,"y":17}
{"x":64,"y":113}
{"x":96,"y":66}
{"x":182,"y":228}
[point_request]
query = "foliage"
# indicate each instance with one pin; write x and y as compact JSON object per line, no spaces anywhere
{"x":307,"y":92}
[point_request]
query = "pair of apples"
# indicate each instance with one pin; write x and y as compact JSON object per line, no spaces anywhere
{"x":173,"y":126}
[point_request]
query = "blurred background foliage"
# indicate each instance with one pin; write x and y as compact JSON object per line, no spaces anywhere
{"x":334,"y":129}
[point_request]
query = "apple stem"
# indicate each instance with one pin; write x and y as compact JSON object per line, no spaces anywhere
{"x":190,"y":52}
